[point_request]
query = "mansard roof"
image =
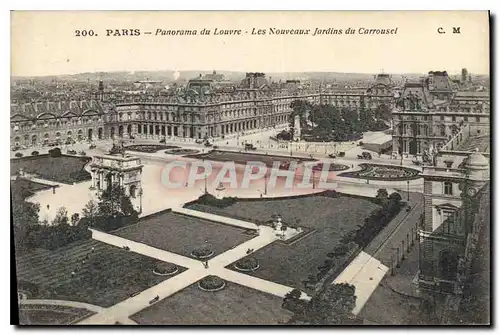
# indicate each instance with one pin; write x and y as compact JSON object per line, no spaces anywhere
{"x":51,"y":109}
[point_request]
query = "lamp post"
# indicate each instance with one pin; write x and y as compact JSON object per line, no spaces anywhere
{"x":140,"y":200}
{"x":408,"y":190}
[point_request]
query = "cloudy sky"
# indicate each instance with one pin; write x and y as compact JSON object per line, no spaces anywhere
{"x":44,"y":43}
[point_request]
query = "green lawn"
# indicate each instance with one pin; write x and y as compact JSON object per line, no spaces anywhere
{"x":234,"y":305}
{"x":109,"y":275}
{"x":181,"y":234}
{"x":34,"y":315}
{"x":64,"y":169}
{"x":330,"y":217}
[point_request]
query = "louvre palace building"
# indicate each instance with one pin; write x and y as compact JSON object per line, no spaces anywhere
{"x":431,"y":110}
{"x":207,"y":107}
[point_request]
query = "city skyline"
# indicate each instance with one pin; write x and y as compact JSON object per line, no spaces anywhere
{"x":43,"y":43}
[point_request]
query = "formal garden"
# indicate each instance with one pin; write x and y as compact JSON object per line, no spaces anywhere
{"x":245,"y":157}
{"x":149,"y":148}
{"x":184,"y":235}
{"x":383,"y":172}
{"x":233,"y":305}
{"x":59,"y":168}
{"x":50,"y":315}
{"x":181,"y":151}
{"x":339,"y":225}
{"x":88,"y":271}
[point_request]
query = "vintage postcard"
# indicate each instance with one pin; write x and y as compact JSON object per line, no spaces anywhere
{"x":250,"y":168}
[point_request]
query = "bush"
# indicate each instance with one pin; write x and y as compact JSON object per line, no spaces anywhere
{"x":247,"y":264}
{"x":82,"y":153}
{"x":202,"y":252}
{"x":210,"y":200}
{"x":18,"y":155}
{"x":35,"y":153}
{"x":165,"y":268}
{"x":56,"y":152}
{"x":211,"y":283}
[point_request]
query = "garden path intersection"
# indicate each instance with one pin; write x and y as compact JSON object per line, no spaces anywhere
{"x":196,"y":271}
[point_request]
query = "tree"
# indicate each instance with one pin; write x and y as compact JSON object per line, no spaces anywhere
{"x":61,"y":217}
{"x":56,"y":152}
{"x":382,"y":196}
{"x":91,"y":211}
{"x":75,"y":218}
{"x":114,"y":202}
{"x":331,"y":306}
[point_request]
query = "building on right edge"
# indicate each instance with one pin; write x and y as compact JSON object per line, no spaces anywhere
{"x":456,"y":210}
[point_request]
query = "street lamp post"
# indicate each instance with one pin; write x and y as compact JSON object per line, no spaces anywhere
{"x":408,"y":190}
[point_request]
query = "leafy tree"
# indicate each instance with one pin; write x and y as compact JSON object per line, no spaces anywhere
{"x":91,"y":211}
{"x":383,"y":112}
{"x":114,"y":201}
{"x":75,"y":218}
{"x":331,"y":306}
{"x":56,"y":152}
{"x":382,"y":196}
{"x":61,"y":217}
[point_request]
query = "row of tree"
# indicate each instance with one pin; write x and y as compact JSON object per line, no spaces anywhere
{"x":331,"y":306}
{"x":113,"y":210}
{"x":331,"y":123}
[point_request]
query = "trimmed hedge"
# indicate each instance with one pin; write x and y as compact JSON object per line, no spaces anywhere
{"x":211,"y":283}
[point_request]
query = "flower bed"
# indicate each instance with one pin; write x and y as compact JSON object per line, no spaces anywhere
{"x":248,"y":264}
{"x":181,"y":151}
{"x":150,"y":148}
{"x":202,"y":252}
{"x":383,"y":172}
{"x":211,"y":284}
{"x":165,"y":269}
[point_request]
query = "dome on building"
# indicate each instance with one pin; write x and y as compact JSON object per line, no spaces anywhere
{"x":476,"y":160}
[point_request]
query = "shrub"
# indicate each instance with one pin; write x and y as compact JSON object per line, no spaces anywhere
{"x":165,"y":268}
{"x":82,"y":153}
{"x":210,"y":200}
{"x":35,"y":153}
{"x":202,"y":252}
{"x":56,"y":152}
{"x":18,"y":155}
{"x":211,"y":283}
{"x":247,"y":264}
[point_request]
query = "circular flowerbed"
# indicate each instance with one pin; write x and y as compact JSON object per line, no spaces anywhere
{"x":202,"y":252}
{"x":211,"y":284}
{"x":149,"y":147}
{"x":331,"y":167}
{"x":181,"y":151}
{"x":383,"y":172}
{"x":165,"y":269}
{"x":248,"y":264}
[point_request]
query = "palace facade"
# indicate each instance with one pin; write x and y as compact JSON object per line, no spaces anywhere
{"x":430,"y":111}
{"x":208,"y":107}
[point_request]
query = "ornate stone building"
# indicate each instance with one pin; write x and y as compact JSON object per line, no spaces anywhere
{"x":456,"y":207}
{"x":208,"y":107}
{"x":429,"y":113}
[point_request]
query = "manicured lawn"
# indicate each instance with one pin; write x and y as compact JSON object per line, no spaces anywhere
{"x":234,"y":305}
{"x":291,"y":264}
{"x":244,"y":157}
{"x":109,"y":275}
{"x":64,"y":169}
{"x":50,"y":315}
{"x":181,"y":234}
{"x":27,"y":187}
{"x":149,"y":147}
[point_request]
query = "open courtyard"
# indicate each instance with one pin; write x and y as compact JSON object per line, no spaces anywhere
{"x":102,"y":276}
{"x":329,"y":218}
{"x":234,"y":305}
{"x":182,"y":234}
